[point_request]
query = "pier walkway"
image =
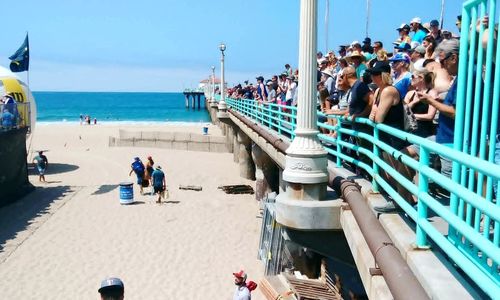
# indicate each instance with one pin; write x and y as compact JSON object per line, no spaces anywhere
{"x":450,"y":239}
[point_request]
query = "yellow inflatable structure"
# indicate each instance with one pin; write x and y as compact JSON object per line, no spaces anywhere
{"x":26,"y":106}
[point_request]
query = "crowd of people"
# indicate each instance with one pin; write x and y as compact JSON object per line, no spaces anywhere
{"x":411,"y":88}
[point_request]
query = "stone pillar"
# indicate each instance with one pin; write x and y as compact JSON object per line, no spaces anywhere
{"x":266,"y":173}
{"x":193,"y":103}
{"x":236,"y":145}
{"x":305,"y":171}
{"x":187,"y":100}
{"x":247,"y":167}
{"x":229,"y":138}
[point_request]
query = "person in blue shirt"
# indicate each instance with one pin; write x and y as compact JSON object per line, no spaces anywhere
{"x":138,"y":168}
{"x":400,"y":64}
{"x":8,"y":119}
{"x":159,"y":183}
{"x":420,"y":33}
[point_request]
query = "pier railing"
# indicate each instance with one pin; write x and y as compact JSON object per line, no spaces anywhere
{"x":471,"y":243}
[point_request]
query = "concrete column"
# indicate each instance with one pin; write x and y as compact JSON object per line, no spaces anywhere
{"x":229,"y":138}
{"x":236,"y":145}
{"x":261,"y":185}
{"x":187,"y":100}
{"x":306,"y":160}
{"x":193,"y":103}
{"x":247,"y":167}
{"x":266,"y":173}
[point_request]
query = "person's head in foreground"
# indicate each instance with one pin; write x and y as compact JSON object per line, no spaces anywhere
{"x":112,"y":289}
{"x":448,"y":51}
{"x":240,"y":278}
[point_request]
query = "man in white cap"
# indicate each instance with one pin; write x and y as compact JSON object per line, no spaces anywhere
{"x":416,"y":26}
{"x":112,"y":289}
{"x":159,"y":183}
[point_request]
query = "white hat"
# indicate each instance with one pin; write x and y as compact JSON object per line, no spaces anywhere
{"x":355,"y":42}
{"x":327,"y":72}
{"x":416,"y":20}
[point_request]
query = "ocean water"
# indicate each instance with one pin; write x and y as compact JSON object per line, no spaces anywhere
{"x":116,"y":107}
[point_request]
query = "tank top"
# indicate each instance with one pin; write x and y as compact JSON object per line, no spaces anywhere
{"x":393,"y":118}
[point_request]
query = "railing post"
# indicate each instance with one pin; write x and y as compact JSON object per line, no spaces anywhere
{"x":339,"y":138}
{"x":279,"y":119}
{"x":423,"y":188}
{"x":376,"y":153}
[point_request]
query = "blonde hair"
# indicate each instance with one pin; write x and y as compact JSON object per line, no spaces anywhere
{"x":381,"y":55}
{"x":428,"y":77}
{"x":386,"y":78}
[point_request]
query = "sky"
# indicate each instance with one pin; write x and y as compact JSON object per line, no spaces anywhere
{"x":166,"y":46}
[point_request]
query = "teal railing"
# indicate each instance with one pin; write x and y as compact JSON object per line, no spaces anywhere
{"x":473,"y":214}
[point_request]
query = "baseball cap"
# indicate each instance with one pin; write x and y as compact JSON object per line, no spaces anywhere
{"x":416,"y":20}
{"x":259,"y":78}
{"x":379,"y":67}
{"x":403,"y":26}
{"x":240,"y":274}
{"x":400,"y":57}
{"x":434,"y":23}
{"x":367,"y":40}
{"x":111,"y":283}
{"x":420,"y":49}
{"x":403,"y":46}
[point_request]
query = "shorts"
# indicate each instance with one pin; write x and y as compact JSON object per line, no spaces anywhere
{"x":41,"y":170}
{"x":446,"y":164}
{"x":139,"y":177}
{"x":158,"y":189}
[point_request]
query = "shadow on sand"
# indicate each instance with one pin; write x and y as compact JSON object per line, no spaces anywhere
{"x":53,"y":168}
{"x":18,"y":216}
{"x":105,"y":188}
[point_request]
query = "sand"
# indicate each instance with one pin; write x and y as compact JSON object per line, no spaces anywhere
{"x":60,"y":241}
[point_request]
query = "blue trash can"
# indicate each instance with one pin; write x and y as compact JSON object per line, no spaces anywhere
{"x":205,"y":130}
{"x":126,"y":192}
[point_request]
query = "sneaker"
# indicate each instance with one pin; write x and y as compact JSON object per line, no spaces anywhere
{"x":389,"y":207}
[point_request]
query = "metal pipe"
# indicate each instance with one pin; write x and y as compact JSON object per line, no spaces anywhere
{"x":399,"y":278}
{"x":277,"y":142}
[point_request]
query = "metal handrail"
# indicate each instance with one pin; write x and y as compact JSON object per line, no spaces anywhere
{"x":282,"y":120}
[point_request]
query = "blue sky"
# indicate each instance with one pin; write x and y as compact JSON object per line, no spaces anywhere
{"x":164,"y":45}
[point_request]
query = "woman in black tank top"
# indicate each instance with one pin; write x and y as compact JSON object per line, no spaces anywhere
{"x":387,"y":108}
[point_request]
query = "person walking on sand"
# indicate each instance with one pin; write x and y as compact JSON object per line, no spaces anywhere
{"x":112,"y":289}
{"x":241,"y":292}
{"x":138,"y":168}
{"x":149,"y":171}
{"x":41,"y":163}
{"x":159,"y":183}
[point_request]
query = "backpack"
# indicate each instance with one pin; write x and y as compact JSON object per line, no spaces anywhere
{"x":409,"y":120}
{"x":251,"y":285}
{"x":138,"y":167}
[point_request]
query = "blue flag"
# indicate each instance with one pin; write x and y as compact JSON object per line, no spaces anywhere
{"x":20,"y":61}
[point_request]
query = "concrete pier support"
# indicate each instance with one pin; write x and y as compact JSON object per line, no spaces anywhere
{"x":266,"y":173}
{"x":229,"y":137}
{"x":187,"y":100}
{"x":305,"y":171}
{"x":236,"y":145}
{"x":247,"y":166}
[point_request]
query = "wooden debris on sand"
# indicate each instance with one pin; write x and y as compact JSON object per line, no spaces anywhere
{"x":237,"y":189}
{"x":190,"y":187}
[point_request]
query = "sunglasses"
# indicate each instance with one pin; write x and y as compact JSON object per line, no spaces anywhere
{"x":415,"y":77}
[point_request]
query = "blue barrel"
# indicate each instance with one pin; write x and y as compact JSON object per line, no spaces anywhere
{"x":205,"y":130}
{"x":126,"y":192}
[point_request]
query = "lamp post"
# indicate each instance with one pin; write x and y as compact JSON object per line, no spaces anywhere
{"x":212,"y":99}
{"x":222,"y":103}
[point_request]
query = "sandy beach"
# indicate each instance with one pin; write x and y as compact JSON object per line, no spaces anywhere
{"x":61,"y":240}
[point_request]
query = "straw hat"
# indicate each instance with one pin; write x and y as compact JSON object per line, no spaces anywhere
{"x":355,"y":54}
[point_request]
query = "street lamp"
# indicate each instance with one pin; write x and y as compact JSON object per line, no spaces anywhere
{"x":213,"y":85}
{"x":222,"y":103}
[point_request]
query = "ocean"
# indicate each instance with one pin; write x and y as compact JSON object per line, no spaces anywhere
{"x":111,"y":107}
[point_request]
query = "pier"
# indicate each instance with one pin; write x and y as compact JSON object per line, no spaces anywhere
{"x":195,"y":96}
{"x":319,"y":226}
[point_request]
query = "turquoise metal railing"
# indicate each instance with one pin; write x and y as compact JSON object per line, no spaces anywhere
{"x":473,"y":216}
{"x":281,"y":120}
